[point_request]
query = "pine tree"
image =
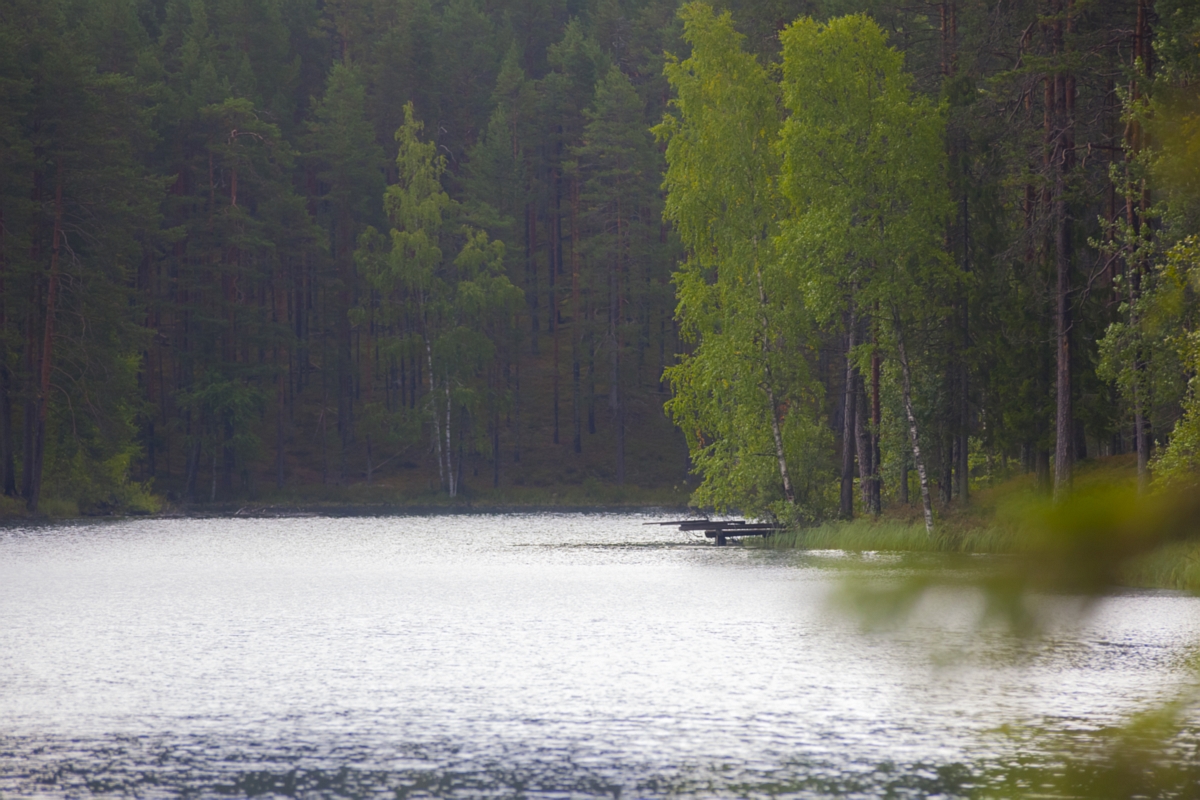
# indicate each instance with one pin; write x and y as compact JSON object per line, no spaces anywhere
{"x":348,"y":167}
{"x":563,"y":96}
{"x":616,"y":160}
{"x":66,"y":281}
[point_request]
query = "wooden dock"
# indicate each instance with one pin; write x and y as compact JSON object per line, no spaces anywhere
{"x":723,"y":529}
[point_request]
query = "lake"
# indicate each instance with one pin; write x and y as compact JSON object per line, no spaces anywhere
{"x":520,"y":655}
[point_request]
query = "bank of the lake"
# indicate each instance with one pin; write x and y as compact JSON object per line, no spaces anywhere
{"x":372,"y":499}
{"x":1008,"y":517}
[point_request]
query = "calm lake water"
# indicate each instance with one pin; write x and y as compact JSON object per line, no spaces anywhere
{"x":540,"y":655}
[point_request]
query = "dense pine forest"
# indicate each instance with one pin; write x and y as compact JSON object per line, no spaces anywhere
{"x":818,"y":257}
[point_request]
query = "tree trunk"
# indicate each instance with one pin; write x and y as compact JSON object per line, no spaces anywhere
{"x":462,"y":427}
{"x":345,"y":360}
{"x":8,"y":478}
{"x":43,"y":397}
{"x":926,"y":503}
{"x":1136,"y":205}
{"x":614,"y":389}
{"x":849,"y":407}
{"x":949,"y":24}
{"x":517,"y":414}
{"x":532,"y":275}
{"x":946,"y":453}
{"x":862,"y":445}
{"x":282,"y":360}
{"x":576,"y":324}
{"x":964,"y":374}
{"x":370,"y":465}
{"x":591,"y":372}
{"x":7,"y":459}
{"x":451,"y":477}
{"x":1062,"y":162}
{"x":788,"y":493}
{"x":496,"y":447}
{"x":554,"y":373}
{"x":229,"y":457}
{"x":1064,"y":419}
{"x":29,"y":429}
{"x":1041,"y":469}
{"x":323,"y":429}
{"x":192,"y":468}
{"x":876,"y":504}
{"x":555,"y":259}
{"x":279,"y":413}
{"x":437,"y":428}
{"x":1141,"y":440}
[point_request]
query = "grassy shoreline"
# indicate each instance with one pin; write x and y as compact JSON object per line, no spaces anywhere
{"x":1002,"y":520}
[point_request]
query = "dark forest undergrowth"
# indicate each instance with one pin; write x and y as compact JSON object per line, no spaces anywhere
{"x":532,"y":471}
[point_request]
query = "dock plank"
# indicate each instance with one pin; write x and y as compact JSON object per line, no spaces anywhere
{"x":723,"y":529}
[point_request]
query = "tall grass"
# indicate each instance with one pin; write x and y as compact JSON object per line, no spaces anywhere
{"x":1011,"y":518}
{"x":886,"y":535}
{"x":1173,"y":566}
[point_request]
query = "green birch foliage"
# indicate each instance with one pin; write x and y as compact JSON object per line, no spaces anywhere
{"x":1150,"y":353}
{"x":400,"y":268}
{"x":1175,"y":301}
{"x":864,"y":172}
{"x":749,"y":328}
{"x":449,"y":311}
{"x":416,"y":207}
{"x":1173,"y":116}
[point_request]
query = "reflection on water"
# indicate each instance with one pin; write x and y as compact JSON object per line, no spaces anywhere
{"x":515,"y":656}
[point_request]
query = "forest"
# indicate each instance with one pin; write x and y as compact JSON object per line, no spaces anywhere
{"x":817,"y":257}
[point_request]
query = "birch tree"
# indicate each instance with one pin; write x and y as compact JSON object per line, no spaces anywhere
{"x":864,"y":176}
{"x":455,"y":308}
{"x":743,"y":395}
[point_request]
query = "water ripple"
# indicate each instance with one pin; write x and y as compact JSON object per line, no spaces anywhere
{"x":555,"y":655}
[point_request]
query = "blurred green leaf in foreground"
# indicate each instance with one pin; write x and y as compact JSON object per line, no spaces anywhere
{"x":1080,"y":550}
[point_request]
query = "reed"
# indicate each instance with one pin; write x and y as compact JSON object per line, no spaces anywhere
{"x":1013,"y":517}
{"x":1174,"y":566}
{"x":862,"y":535}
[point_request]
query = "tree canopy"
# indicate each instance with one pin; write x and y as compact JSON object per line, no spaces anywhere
{"x":876,"y":252}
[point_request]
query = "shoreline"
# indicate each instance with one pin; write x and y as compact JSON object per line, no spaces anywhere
{"x":378,"y":499}
{"x":268,"y":510}
{"x":1105,"y":536}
